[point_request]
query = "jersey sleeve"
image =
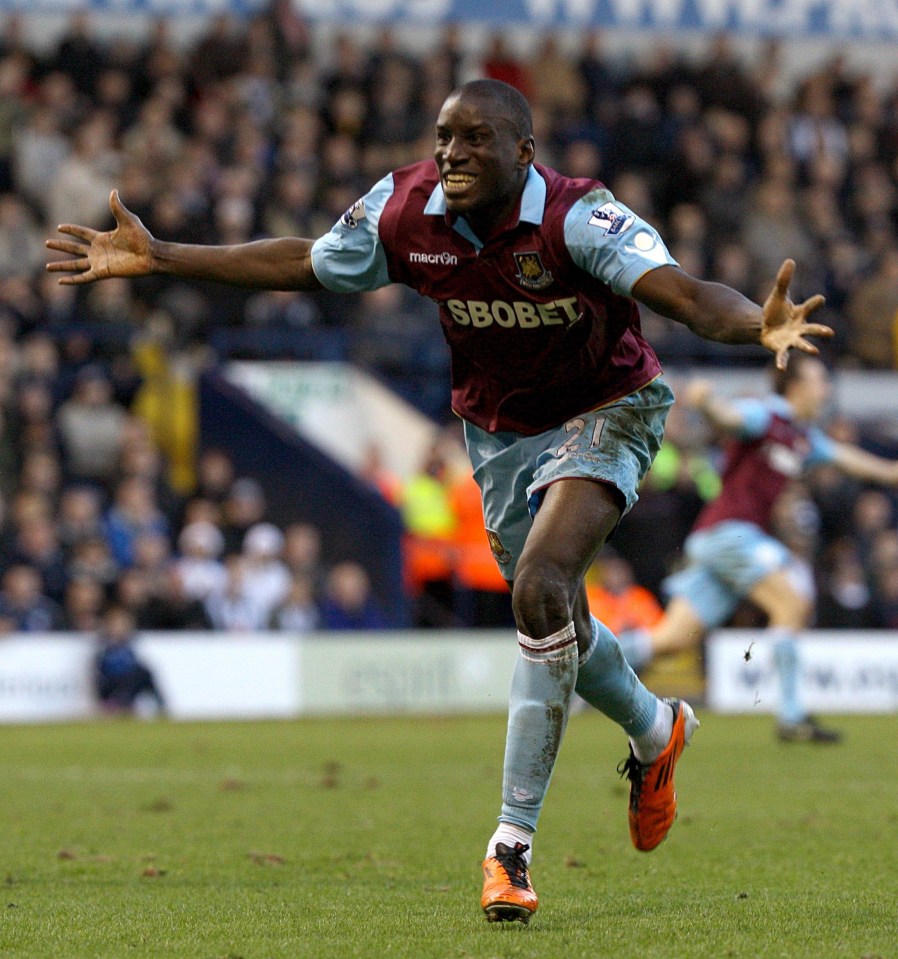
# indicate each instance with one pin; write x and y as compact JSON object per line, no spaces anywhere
{"x":350,"y":258}
{"x":754,"y":417}
{"x":823,"y":448}
{"x":612,"y":243}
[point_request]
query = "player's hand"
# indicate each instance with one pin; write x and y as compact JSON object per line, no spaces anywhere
{"x":784,"y":326}
{"x":696,"y":394}
{"x":125,"y":251}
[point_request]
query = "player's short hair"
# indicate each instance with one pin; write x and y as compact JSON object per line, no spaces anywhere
{"x":512,"y":104}
{"x":781,"y":380}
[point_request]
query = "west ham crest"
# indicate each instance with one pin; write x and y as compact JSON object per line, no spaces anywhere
{"x":500,"y":553}
{"x":531,"y":273}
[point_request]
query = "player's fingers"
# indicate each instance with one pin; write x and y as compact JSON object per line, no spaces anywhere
{"x":784,"y":277}
{"x":806,"y":346}
{"x":813,"y":303}
{"x":73,"y":279}
{"x":69,"y":266}
{"x":782,"y":358}
{"x":817,"y":329}
{"x":65,"y":246}
{"x":82,"y":232}
{"x":118,"y":208}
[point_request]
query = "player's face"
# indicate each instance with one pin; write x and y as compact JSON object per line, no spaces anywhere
{"x":482,"y":163}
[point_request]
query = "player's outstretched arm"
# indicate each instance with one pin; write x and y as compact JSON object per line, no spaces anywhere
{"x":130,"y":250}
{"x":865,"y":466}
{"x":717,"y":312}
{"x":699,"y":395}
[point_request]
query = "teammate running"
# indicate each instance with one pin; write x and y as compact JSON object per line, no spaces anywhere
{"x":732,"y":555}
{"x":536,"y":277}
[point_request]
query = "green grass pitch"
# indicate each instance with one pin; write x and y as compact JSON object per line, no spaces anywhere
{"x":363,"y":838}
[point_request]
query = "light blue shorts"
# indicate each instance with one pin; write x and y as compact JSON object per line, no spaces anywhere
{"x":724,"y":563}
{"x":614,"y":444}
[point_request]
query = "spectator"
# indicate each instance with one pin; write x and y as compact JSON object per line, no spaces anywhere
{"x":302,"y":553}
{"x":214,"y":476}
{"x":500,"y":63}
{"x":121,"y":679}
{"x":91,"y":557}
{"x":348,"y":603}
{"x":873,"y":311}
{"x":24,"y":608}
{"x":266,"y":577}
{"x":616,"y":599}
{"x":845,"y":600}
{"x":168,"y":606}
{"x":83,"y":604}
{"x":41,"y":472}
{"x":234,"y":609}
{"x":200,"y":569}
{"x":79,"y":516}
{"x":429,"y":523}
{"x":134,"y":511}
{"x":484,"y":599}
{"x":243,"y":508}
{"x":91,"y":425}
{"x":298,"y":612}
{"x":37,"y":546}
{"x":86,"y":175}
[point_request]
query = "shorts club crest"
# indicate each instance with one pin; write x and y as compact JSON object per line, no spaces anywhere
{"x":500,"y":553}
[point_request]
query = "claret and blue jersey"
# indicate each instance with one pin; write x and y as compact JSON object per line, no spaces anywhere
{"x":771,"y":450}
{"x":539,"y":319}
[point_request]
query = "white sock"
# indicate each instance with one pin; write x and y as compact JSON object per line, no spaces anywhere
{"x":650,"y":744}
{"x":510,"y":834}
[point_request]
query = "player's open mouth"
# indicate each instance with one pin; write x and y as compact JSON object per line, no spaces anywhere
{"x":457,"y":182}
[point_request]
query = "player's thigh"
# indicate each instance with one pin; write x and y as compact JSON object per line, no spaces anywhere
{"x":574,"y":520}
{"x":780,"y":595}
{"x":680,"y":628}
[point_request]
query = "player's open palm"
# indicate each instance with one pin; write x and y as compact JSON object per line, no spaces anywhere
{"x":785,"y":324}
{"x":95,"y":255}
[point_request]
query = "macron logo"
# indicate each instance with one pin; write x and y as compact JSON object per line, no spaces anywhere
{"x":444,"y":259}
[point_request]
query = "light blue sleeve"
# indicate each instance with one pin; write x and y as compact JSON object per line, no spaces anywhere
{"x":755,"y":415}
{"x":823,"y":448}
{"x":611,"y":243}
{"x":350,"y":258}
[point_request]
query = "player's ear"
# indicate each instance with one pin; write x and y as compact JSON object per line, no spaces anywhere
{"x":526,"y":151}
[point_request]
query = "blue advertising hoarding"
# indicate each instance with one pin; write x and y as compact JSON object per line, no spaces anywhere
{"x":872,"y":20}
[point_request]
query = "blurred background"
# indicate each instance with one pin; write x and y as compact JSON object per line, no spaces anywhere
{"x":261,"y":499}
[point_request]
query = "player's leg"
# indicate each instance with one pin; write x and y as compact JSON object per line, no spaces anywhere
{"x":580,"y":477}
{"x":786,"y":596}
{"x":572,"y":524}
{"x":680,"y":628}
{"x":546,"y":586}
{"x":558,"y":550}
{"x":700,"y":600}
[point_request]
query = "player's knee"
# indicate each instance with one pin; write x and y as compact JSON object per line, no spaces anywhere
{"x":542,"y":599}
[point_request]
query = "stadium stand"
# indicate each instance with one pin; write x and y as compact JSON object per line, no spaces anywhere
{"x":254,"y":130}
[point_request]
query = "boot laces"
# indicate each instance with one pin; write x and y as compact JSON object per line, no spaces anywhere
{"x":514,"y":864}
{"x":633,"y":769}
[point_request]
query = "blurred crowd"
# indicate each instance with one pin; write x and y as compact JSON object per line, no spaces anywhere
{"x":265,"y":128}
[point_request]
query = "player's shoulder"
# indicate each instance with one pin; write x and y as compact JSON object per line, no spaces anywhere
{"x":566,"y":189}
{"x":421,"y":176}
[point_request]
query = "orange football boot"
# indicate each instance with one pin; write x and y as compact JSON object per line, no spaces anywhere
{"x":508,"y":895}
{"x":653,"y":799}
